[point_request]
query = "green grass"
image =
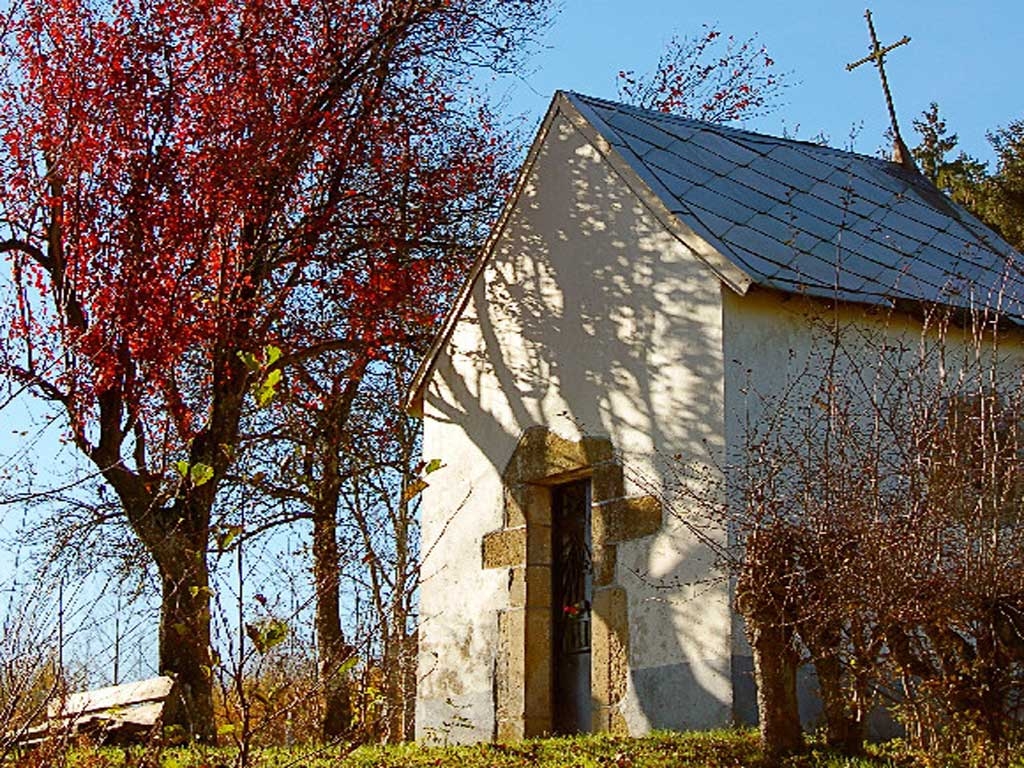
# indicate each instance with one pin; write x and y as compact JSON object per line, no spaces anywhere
{"x":710,"y":749}
{"x":713,"y":749}
{"x":663,"y":749}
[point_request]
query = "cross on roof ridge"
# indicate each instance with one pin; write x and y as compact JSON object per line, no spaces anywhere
{"x":900,"y":152}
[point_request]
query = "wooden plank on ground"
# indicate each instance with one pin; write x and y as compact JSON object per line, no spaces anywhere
{"x":112,"y":696}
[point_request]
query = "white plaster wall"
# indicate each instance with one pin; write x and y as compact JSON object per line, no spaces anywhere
{"x":775,"y":343}
{"x":590,"y":318}
{"x":773,"y":340}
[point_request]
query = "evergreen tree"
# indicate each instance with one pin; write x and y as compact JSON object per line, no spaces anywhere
{"x":963,"y":178}
{"x":1004,"y":204}
{"x":995,"y":198}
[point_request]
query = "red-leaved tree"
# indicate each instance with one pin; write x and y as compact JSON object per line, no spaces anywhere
{"x":185,"y":185}
{"x":709,"y":76}
{"x":431,"y":203}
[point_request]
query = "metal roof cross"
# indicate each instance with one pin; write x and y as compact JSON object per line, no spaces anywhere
{"x":900,"y":153}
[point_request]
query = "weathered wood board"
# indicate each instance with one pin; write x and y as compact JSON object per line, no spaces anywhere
{"x":113,"y":714}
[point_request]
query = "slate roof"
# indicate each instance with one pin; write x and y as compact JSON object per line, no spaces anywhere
{"x":787,"y":215}
{"x":805,"y":218}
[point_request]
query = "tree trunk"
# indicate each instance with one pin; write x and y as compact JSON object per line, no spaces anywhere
{"x":775,"y":666}
{"x":400,"y":686}
{"x":185,"y":630}
{"x":394,"y":695}
{"x":334,"y":651}
{"x":176,"y":538}
{"x":397,"y":660}
{"x":763,"y":597}
{"x":843,"y":691}
{"x":844,"y":729}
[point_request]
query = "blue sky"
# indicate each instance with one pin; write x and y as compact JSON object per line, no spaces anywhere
{"x":964,"y":56}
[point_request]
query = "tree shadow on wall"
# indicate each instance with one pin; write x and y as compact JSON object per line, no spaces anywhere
{"x":592,"y":318}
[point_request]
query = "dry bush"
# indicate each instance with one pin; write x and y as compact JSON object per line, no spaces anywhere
{"x":874,"y":513}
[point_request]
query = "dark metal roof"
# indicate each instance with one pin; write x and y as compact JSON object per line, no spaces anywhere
{"x":806,"y":218}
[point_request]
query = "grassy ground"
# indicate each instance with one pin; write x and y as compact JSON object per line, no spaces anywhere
{"x":719,"y":749}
